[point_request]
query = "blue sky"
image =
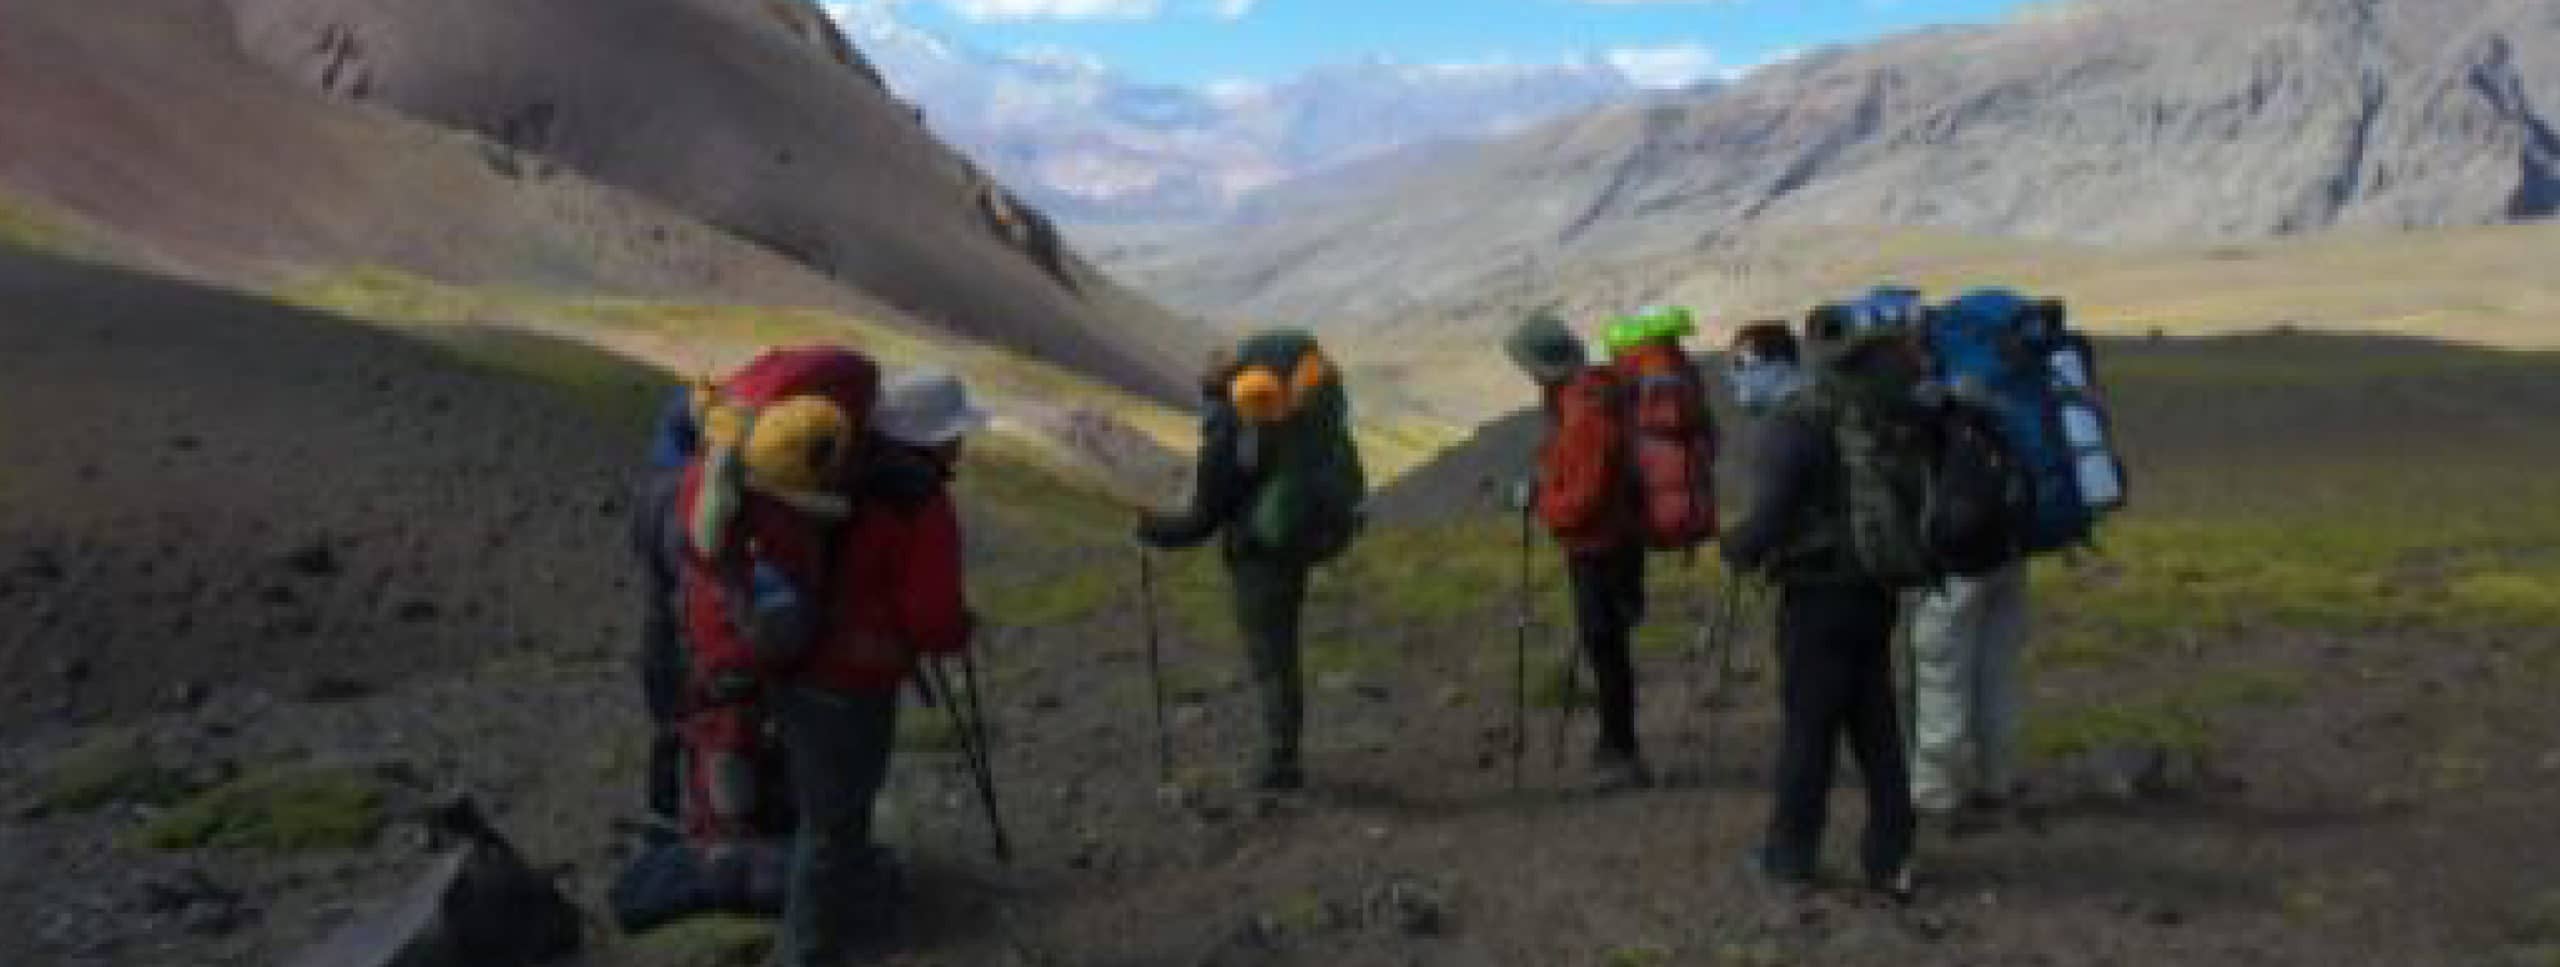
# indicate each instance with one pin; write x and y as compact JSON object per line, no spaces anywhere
{"x":1200,"y":41}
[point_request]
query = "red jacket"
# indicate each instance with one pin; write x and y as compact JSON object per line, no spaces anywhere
{"x":897,"y":595}
{"x":887,"y":583}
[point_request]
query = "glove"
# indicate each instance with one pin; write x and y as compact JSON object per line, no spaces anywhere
{"x":1521,"y":495}
{"x":1150,"y":526}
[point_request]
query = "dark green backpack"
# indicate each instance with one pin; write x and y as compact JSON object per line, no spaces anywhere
{"x":1309,"y":488}
{"x":1880,"y":529}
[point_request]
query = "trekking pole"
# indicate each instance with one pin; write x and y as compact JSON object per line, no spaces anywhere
{"x":1572,"y":695}
{"x":986,"y":751}
{"x":1522,"y":617}
{"x":1155,"y":663}
{"x":1720,"y":665}
{"x":974,"y":754}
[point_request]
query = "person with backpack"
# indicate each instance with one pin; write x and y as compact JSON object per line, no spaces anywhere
{"x":1834,"y":464}
{"x":768,"y":508}
{"x":1278,"y":479}
{"x":1611,"y":486}
{"x":896,"y":597}
{"x":657,"y":546}
{"x":1969,"y":632}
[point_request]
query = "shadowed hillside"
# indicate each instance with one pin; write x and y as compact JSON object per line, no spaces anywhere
{"x":722,"y":150}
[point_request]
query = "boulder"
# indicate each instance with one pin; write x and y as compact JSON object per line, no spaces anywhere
{"x":477,"y":904}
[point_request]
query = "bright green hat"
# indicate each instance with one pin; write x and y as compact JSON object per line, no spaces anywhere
{"x":1649,"y":325}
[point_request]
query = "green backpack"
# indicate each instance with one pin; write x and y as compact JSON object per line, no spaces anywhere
{"x":1306,"y":505}
{"x":1887,"y":462}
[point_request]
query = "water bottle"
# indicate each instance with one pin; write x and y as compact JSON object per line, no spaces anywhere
{"x":2093,"y":462}
{"x":2070,"y":367}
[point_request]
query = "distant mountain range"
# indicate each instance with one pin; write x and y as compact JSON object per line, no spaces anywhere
{"x":1089,"y":144}
{"x":2103,"y":121}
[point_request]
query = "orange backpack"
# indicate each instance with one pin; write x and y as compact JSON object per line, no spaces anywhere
{"x":1583,"y":487}
{"x":1673,"y":448}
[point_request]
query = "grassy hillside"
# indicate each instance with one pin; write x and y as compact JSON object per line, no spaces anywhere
{"x":2497,"y":287}
{"x":1039,"y":406}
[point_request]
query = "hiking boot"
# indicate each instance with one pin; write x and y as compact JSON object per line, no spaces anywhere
{"x":1775,"y":875}
{"x":1614,"y":770}
{"x":1895,"y":885}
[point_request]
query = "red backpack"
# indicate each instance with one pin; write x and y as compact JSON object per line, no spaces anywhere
{"x":1672,"y":450}
{"x":1582,"y":470}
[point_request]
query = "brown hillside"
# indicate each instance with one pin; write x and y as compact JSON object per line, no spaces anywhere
{"x":2109,"y":121}
{"x":740,"y":118}
{"x":156,"y":127}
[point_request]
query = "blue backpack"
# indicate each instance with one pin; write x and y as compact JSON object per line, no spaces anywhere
{"x":1997,"y":348}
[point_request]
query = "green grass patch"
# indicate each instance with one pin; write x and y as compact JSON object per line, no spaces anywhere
{"x":25,"y":225}
{"x":109,"y":767}
{"x":705,"y":941}
{"x":1646,"y":955}
{"x":622,"y":392}
{"x":284,"y":809}
{"x":1053,"y":599}
{"x":1560,"y":683}
{"x":923,"y":729}
{"x":2180,"y":720}
{"x":2167,"y":725}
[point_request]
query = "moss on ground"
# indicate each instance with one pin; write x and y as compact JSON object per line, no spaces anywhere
{"x":708,"y":941}
{"x":2181,"y":719}
{"x":283,"y":809}
{"x":923,"y":729}
{"x":109,"y":767}
{"x":24,"y":225}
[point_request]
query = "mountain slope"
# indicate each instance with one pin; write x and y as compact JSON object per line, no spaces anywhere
{"x":2104,"y":121}
{"x":730,"y":151}
{"x":1089,"y":144}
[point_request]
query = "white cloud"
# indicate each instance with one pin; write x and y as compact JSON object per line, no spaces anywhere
{"x":1007,"y":10}
{"x":1062,"y":58}
{"x":1235,"y":92}
{"x":1740,"y":71}
{"x":1231,"y":9}
{"x":1674,"y":65}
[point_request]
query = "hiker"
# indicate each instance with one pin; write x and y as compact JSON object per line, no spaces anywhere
{"x":765,"y":508}
{"x":1608,"y":498}
{"x":658,"y":545}
{"x":1835,"y":618}
{"x":1969,"y":632}
{"x":897,"y":596}
{"x":1276,"y":478}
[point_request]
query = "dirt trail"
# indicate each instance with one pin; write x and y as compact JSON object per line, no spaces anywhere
{"x":162,"y":479}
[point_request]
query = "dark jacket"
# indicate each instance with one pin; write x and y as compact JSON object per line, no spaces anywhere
{"x":1794,"y":526}
{"x":1798,"y":524}
{"x":1223,"y":478}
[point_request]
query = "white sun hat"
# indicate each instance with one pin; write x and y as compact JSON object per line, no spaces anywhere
{"x":926,"y":408}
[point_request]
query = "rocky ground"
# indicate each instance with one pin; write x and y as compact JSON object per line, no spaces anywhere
{"x":278,"y":584}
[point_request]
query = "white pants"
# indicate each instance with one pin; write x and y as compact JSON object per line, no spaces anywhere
{"x":1966,"y":640}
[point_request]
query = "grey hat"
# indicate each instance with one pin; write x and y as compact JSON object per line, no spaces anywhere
{"x":1545,"y":348}
{"x":926,"y":408}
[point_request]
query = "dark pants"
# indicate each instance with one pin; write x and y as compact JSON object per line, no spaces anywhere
{"x":662,"y":673}
{"x":1608,"y":604}
{"x":663,"y":661}
{"x":1836,"y":676}
{"x":1270,"y":596}
{"x":838,"y":745}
